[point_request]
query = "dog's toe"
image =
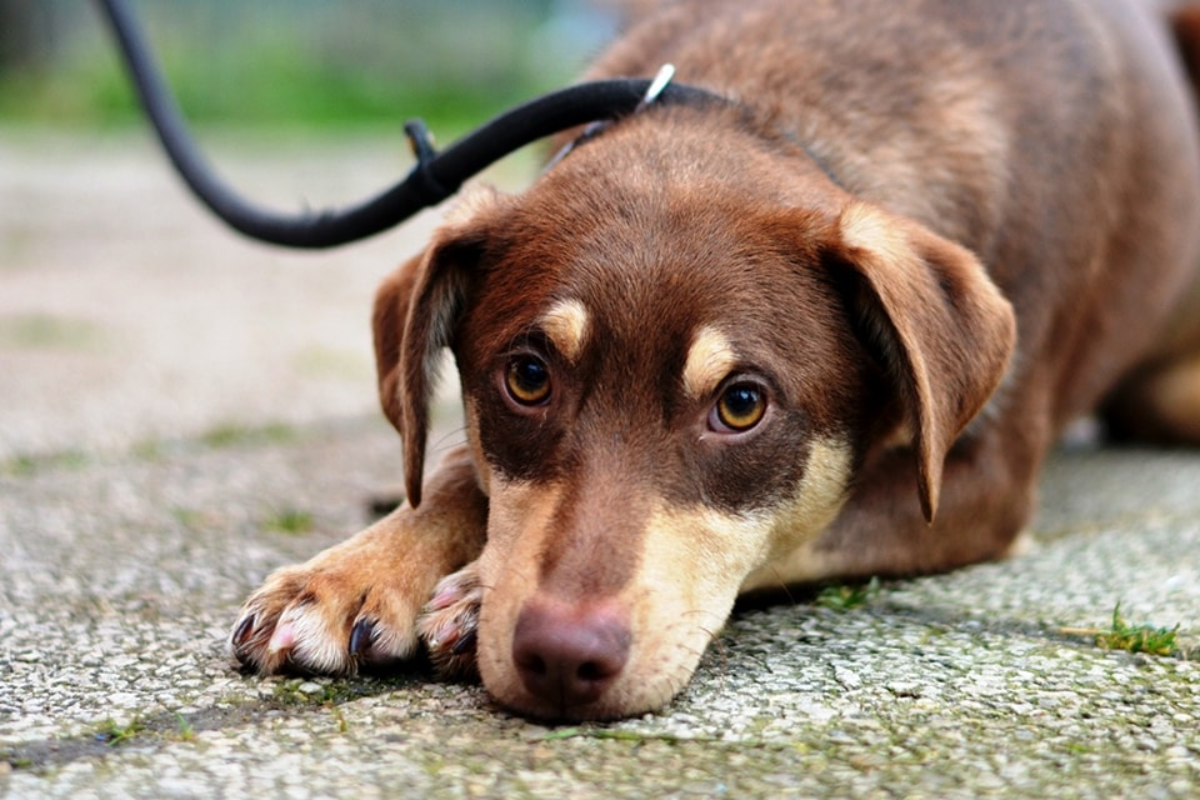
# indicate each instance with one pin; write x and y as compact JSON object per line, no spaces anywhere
{"x":313,"y":621}
{"x":449,"y":622}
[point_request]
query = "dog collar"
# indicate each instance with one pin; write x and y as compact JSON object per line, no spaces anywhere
{"x":681,"y":94}
{"x":654,"y":93}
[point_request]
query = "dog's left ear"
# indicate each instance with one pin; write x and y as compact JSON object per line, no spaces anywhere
{"x":928,"y":309}
{"x":416,"y":314}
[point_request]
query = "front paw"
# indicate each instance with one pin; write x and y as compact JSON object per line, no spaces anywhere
{"x":449,"y":623}
{"x":303,"y":622}
{"x":356,"y":604}
{"x":352,"y":606}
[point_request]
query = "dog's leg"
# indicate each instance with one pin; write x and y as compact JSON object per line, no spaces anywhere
{"x":1161,"y":401}
{"x":357,"y":603}
{"x":1159,"y":404}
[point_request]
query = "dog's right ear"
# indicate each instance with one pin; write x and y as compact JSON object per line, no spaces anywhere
{"x":417,"y":309}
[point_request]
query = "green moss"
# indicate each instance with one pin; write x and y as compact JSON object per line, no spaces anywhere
{"x":114,"y":734}
{"x":187,"y":517}
{"x":331,"y":693}
{"x":849,"y":597}
{"x":620,"y":735}
{"x":24,"y":466}
{"x":41,"y":331}
{"x":235,"y":434}
{"x":289,"y":520}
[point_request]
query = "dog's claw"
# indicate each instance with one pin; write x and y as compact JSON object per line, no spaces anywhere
{"x":465,"y":646}
{"x":243,"y":632}
{"x":362,"y":637}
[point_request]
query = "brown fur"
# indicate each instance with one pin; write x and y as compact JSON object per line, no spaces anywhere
{"x":924,"y":236}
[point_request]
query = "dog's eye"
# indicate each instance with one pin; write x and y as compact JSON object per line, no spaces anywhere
{"x":527,"y":381}
{"x":740,"y":407}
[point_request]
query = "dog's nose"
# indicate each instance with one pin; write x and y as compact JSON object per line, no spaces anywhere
{"x":569,"y":655}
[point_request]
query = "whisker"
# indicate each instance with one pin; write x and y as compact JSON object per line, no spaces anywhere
{"x":450,"y":439}
{"x":783,"y":586}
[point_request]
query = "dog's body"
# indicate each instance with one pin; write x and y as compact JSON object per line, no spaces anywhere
{"x":828,"y":329}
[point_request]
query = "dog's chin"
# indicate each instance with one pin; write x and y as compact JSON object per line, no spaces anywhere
{"x":607,"y":710}
{"x":645,"y":686}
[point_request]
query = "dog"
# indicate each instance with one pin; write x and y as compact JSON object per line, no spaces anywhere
{"x":826,"y":328}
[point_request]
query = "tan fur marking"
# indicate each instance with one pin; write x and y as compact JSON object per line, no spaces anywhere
{"x":709,"y":360}
{"x":520,"y":517}
{"x":472,"y":201}
{"x":682,"y":594}
{"x":567,"y":324}
{"x":796,"y":525}
{"x":1024,"y":544}
{"x":865,"y":229}
{"x":519,"y":523}
{"x":482,"y":468}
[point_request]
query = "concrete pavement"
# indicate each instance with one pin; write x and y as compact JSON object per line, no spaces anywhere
{"x":181,"y":412}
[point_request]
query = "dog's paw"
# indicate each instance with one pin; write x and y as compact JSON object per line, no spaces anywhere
{"x":449,"y":623}
{"x":331,"y":616}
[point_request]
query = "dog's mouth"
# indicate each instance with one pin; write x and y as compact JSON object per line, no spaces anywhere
{"x":577,"y":627}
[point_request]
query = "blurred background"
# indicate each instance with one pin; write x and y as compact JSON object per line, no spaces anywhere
{"x":130,"y":319}
{"x":299,"y":63}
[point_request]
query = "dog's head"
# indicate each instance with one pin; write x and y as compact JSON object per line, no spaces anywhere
{"x":674,"y":354}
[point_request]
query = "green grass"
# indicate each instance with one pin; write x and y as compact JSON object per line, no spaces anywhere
{"x":184,"y":732}
{"x":235,"y":434}
{"x":1121,"y":635}
{"x":26,"y":466}
{"x":289,"y":520}
{"x":1137,"y":638}
{"x":251,"y":68}
{"x":114,"y":734}
{"x":189,"y":517}
{"x":41,"y":331}
{"x":274,"y":88}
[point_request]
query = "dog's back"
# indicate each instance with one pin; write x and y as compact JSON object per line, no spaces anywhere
{"x":1017,"y":129}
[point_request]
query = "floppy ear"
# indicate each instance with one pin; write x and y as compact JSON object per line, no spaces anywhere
{"x":941,"y":327}
{"x":387,"y":323}
{"x":416,"y":312}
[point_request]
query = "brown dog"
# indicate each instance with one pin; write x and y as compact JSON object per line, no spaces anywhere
{"x":827,"y":329}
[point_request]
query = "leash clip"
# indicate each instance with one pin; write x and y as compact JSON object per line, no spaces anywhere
{"x":666,"y":73}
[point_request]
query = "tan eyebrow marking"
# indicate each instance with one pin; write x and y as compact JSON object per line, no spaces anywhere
{"x":566,"y":325}
{"x":710,"y":359}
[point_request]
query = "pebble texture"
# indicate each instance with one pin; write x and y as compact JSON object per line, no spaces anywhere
{"x":133,"y":523}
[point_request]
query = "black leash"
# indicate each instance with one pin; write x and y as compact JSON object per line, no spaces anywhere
{"x":436,"y":175}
